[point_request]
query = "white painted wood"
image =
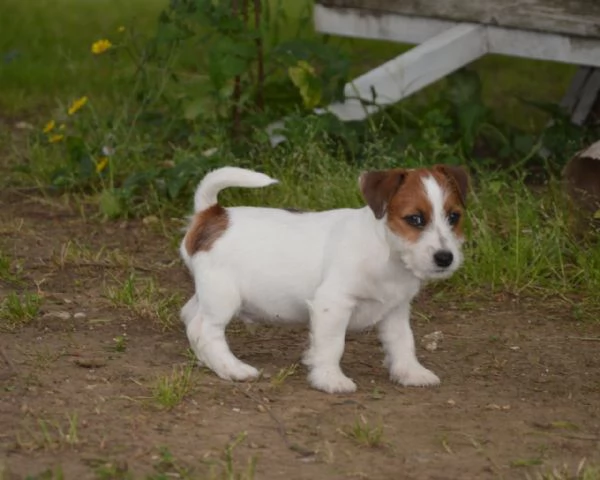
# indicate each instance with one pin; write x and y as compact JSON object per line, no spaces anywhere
{"x":393,"y":27}
{"x":411,"y":29}
{"x":411,"y":71}
{"x":589,"y":94}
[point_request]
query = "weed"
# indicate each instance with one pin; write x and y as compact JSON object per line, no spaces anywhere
{"x":169,"y":390}
{"x":168,"y":467}
{"x":281,"y":376}
{"x":144,"y":299}
{"x":365,"y":434}
{"x":17,"y":311}
{"x":526,"y":462}
{"x":10,"y":270}
{"x":113,"y":471}
{"x":51,"y":435}
{"x":120,"y":343}
{"x":582,"y":472}
{"x":48,"y":474}
{"x":228,"y":469}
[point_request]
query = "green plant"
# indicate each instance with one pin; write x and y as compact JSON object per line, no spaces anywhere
{"x":145,"y":299}
{"x":169,"y":390}
{"x":228,"y":469}
{"x":120,"y":343}
{"x":18,"y":311}
{"x":365,"y":434}
{"x":10,"y":271}
{"x":281,"y":376}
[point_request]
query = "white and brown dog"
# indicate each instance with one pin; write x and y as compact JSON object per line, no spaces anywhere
{"x":338,"y":269}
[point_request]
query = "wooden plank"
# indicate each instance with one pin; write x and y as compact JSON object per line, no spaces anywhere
{"x":588,"y":98}
{"x":572,"y":17}
{"x":411,"y":71}
{"x":505,"y":41}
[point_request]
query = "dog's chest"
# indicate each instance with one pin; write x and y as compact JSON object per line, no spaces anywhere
{"x":380,"y":298}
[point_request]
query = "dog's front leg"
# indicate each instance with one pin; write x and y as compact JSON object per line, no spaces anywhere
{"x":328,"y":322}
{"x":399,"y":345}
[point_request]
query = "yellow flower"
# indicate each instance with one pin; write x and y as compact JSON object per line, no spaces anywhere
{"x":121,"y":29}
{"x":101,"y":46}
{"x":49,"y":126}
{"x":77,"y":104}
{"x":101,"y":164}
{"x":55,"y":138}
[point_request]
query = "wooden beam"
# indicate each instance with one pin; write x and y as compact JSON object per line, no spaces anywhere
{"x":572,"y":17}
{"x":415,"y":30}
{"x":411,"y":71}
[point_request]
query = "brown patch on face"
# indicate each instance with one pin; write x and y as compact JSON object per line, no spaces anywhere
{"x":410,"y":205}
{"x":379,"y":186}
{"x":410,"y":199}
{"x":207,"y":226}
{"x":455,"y":182}
{"x":458,"y":178}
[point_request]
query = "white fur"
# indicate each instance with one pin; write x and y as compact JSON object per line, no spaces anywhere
{"x":338,"y":270}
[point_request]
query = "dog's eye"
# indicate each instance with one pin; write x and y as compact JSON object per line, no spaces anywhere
{"x":417,"y":220}
{"x":453,"y":218}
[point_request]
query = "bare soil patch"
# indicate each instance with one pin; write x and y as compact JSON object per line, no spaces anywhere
{"x":520,"y":389}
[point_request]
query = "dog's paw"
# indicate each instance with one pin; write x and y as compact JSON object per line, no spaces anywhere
{"x":237,"y":371}
{"x":416,"y":376}
{"x":331,"y":380}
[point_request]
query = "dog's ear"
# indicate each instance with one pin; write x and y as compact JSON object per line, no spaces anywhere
{"x":459,"y":179}
{"x":379,"y":186}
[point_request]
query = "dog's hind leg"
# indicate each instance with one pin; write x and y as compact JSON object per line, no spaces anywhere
{"x":218,"y":300}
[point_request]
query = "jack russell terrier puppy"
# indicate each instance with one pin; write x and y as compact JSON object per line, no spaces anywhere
{"x":338,"y":269}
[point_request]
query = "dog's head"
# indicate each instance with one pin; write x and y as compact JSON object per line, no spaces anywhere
{"x":423,"y":211}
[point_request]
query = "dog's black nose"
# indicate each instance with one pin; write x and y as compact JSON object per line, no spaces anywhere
{"x":443,"y":258}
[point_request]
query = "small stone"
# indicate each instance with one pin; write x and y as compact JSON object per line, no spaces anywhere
{"x":261,"y":408}
{"x":24,"y":126}
{"x":150,"y":220}
{"x":79,"y":316}
{"x":436,"y":336}
{"x":515,"y":348}
{"x":58,"y":315}
{"x":451,"y":402}
{"x":236,"y":410}
{"x":431,"y":346}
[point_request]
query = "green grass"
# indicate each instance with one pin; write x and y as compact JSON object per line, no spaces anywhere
{"x":49,"y":43}
{"x":169,"y":390}
{"x":17,"y":311}
{"x":365,"y":434}
{"x":45,"y":48}
{"x":144,"y":299}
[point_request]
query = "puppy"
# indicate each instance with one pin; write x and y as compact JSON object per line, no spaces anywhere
{"x":338,"y":269}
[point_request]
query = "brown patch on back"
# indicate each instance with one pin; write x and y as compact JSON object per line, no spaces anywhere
{"x":410,"y":198}
{"x":207,"y":227}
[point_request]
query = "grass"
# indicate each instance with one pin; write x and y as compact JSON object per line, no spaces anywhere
{"x":169,"y":390}
{"x":10,"y":270}
{"x":582,"y":472}
{"x":51,"y":434}
{"x":365,"y":434}
{"x":283,"y":374}
{"x":17,"y":311}
{"x":144,"y":299}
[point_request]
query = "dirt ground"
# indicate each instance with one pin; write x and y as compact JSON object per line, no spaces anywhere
{"x":520,"y":392}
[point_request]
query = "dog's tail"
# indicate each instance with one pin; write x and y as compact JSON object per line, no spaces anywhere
{"x":217,"y":180}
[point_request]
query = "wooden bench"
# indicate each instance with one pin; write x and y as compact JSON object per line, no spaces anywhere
{"x":453,"y":33}
{"x":450,"y":34}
